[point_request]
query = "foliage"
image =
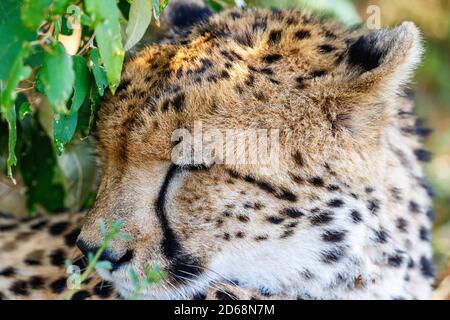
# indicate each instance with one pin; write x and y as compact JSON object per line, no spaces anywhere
{"x":58,"y":59}
{"x":109,"y":232}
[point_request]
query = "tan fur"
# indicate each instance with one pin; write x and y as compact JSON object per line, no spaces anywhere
{"x":336,"y":122}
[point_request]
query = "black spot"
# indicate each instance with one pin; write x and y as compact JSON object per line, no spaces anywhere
{"x":5,"y":215}
{"x":333,"y":236}
{"x":59,"y":285}
{"x":302,"y":34}
{"x":274,"y":37}
{"x":71,"y":238}
{"x":369,"y":190}
{"x":326,"y":48}
{"x":317,"y":182}
{"x":424,"y":233}
{"x":431,"y":214}
{"x":291,"y":225}
{"x":381,"y":236}
{"x":57,"y":257}
{"x":336,"y":203}
{"x":373,"y":206}
{"x":318,"y":73}
{"x":261,"y":237}
{"x":267,"y":71}
{"x":227,"y":55}
{"x":199,"y":296}
{"x":184,"y":15}
{"x":411,"y":263}
{"x":34,"y":258}
{"x":395,"y":260}
{"x":271,"y":58}
{"x":356,"y":216}
{"x":123,"y":85}
{"x":265,"y":292}
{"x":260,"y":96}
{"x":243,"y":218}
{"x":333,"y":187}
{"x":178,"y":102}
{"x":275,"y":220}
{"x":8,"y":272}
{"x":298,"y":158}
{"x":402,"y":224}
{"x":364,"y":53}
{"x":321,"y":218}
{"x":20,"y":288}
{"x":244,"y":38}
{"x":265,"y":186}
{"x":286,"y":195}
{"x":250,"y":81}
{"x":414,"y":207}
{"x":225,"y":295}
{"x":8,"y":227}
{"x":235,"y":15}
{"x":274,"y":81}
{"x":36,"y":282}
{"x":423,"y":155}
{"x":58,"y":228}
{"x":224,"y":74}
{"x":240,"y":234}
{"x":332,"y":256}
{"x":427,"y":267}
{"x":292,"y":213}
{"x":206,"y":63}
{"x":226,"y":236}
{"x":81,"y":295}
{"x":38,"y":225}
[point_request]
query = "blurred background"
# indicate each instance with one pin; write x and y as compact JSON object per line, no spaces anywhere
{"x":43,"y":192}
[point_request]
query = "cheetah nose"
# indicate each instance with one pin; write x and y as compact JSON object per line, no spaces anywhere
{"x":115,"y":259}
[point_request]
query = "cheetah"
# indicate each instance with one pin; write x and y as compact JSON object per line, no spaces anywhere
{"x":344,"y":213}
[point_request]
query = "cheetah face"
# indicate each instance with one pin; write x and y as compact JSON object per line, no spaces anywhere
{"x":328,"y":90}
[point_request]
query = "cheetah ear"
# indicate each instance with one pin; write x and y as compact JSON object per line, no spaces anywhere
{"x":384,"y":59}
{"x":185,"y":13}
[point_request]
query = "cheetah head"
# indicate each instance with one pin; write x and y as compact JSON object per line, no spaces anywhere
{"x":330,"y":92}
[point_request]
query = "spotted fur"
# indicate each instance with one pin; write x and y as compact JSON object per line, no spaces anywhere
{"x":346,"y":215}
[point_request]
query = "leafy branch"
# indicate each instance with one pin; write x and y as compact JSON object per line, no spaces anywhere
{"x":110,"y":232}
{"x":61,"y":56}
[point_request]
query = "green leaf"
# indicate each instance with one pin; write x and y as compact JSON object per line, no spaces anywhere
{"x":38,"y":168}
{"x":106,"y":265}
{"x":134,"y":278}
{"x":124,"y":237}
{"x":98,"y":70}
{"x":34,"y":13}
{"x":57,"y":77}
{"x":140,"y":17}
{"x":12,"y":35}
{"x":60,"y":6}
{"x":116,"y":225}
{"x":24,"y":110}
{"x":82,"y":83}
{"x":78,"y":171}
{"x":8,"y":96}
{"x":106,"y":18}
{"x":102,"y":227}
{"x":158,"y":7}
{"x":64,"y":126}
